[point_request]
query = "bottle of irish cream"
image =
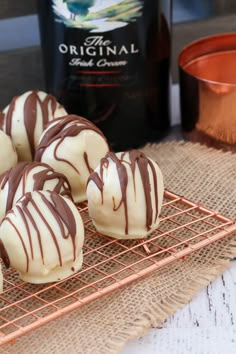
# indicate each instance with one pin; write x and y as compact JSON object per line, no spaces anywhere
{"x":108,"y":61}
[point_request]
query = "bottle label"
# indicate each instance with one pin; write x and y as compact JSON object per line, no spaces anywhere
{"x":108,"y":60}
{"x":97,"y":15}
{"x":94,"y":56}
{"x":97,"y":47}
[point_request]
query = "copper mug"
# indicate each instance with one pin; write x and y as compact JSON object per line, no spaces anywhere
{"x":207,"y":70}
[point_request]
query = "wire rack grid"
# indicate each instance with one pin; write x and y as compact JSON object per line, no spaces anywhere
{"x":109,"y":264}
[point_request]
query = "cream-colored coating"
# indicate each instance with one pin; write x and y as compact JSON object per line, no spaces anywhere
{"x":25,"y":228}
{"x":70,"y":160}
{"x":107,"y":210}
{"x":31,"y":176}
{"x":18,"y":131}
{"x":8,"y":155}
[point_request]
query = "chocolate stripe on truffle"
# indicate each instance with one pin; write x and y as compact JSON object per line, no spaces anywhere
{"x":68,"y":126}
{"x":2,"y":116}
{"x":143,"y":162}
{"x":136,"y":159}
{"x":30,"y":115}
{"x":29,"y":215}
{"x":22,"y":214}
{"x":20,"y":173}
{"x":40,"y":178}
{"x":123,"y":178}
{"x":143,"y":168}
{"x":22,"y":242}
{"x":98,"y":180}
{"x":63,"y":216}
{"x":89,"y":168}
{"x":58,"y":209}
{"x":25,"y":202}
{"x":13,"y":178}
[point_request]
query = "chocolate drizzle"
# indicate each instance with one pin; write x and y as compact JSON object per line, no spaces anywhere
{"x":89,"y":168}
{"x":123,"y":178}
{"x":98,"y":178}
{"x":2,"y":116}
{"x":23,"y":216}
{"x":65,"y":217}
{"x":40,"y":178}
{"x":48,"y":106}
{"x":21,"y":240}
{"x":30,"y":217}
{"x":13,"y":178}
{"x":68,"y":126}
{"x":20,"y":173}
{"x":134,"y":159}
{"x":59,"y":210}
{"x":30,"y":118}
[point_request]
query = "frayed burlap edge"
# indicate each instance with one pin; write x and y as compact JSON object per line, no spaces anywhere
{"x":156,"y":314}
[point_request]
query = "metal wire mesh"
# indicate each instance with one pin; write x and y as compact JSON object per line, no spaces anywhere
{"x":185,"y":227}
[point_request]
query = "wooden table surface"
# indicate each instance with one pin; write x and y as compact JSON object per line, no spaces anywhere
{"x":207,"y":325}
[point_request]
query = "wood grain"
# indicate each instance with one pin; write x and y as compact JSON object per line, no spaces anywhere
{"x":207,"y":325}
{"x":10,"y":8}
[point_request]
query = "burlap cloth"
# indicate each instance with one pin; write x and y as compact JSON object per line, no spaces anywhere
{"x":204,"y":175}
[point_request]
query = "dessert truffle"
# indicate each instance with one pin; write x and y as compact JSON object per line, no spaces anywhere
{"x":27,"y":177}
{"x":8,"y":155}
{"x":42,"y":237}
{"x":73,"y":146}
{"x":125,"y":195}
{"x":25,"y":118}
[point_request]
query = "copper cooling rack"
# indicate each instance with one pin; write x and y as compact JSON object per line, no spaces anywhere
{"x":185,"y":227}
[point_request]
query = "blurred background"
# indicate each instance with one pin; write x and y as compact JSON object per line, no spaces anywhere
{"x":20,"y":52}
{"x":22,"y":31}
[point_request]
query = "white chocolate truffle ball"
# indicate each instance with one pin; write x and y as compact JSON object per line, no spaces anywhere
{"x":73,"y":146}
{"x":25,"y":119}
{"x":28,"y":177}
{"x":42,"y":237}
{"x":125,"y":195}
{"x":8,"y":155}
